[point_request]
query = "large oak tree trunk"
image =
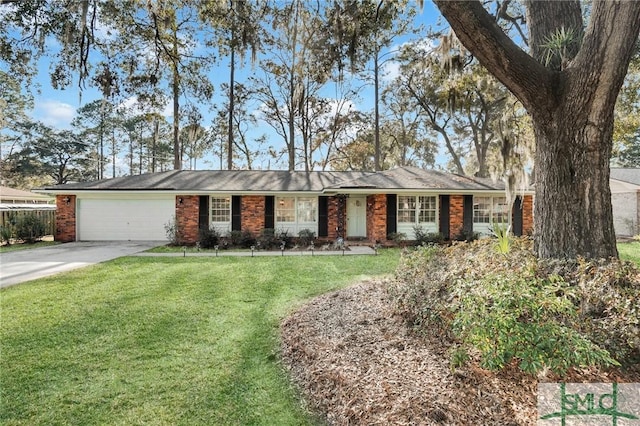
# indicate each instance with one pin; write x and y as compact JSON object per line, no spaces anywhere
{"x":571,"y":101}
{"x":573,"y":201}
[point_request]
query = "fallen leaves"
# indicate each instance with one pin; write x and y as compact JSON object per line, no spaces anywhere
{"x":355,"y":362}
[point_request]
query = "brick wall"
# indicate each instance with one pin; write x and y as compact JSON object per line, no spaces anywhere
{"x":456,"y":214}
{"x":187,"y":214}
{"x":377,"y":218}
{"x":252,"y":212}
{"x":527,"y":215}
{"x":332,"y":218}
{"x":65,"y":218}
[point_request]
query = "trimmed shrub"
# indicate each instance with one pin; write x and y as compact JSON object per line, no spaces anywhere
{"x":397,"y":237}
{"x":172,"y":232}
{"x":608,"y":302}
{"x":284,"y":238}
{"x":243,"y":239}
{"x":30,"y":228}
{"x":423,"y":237}
{"x":467,"y":236}
{"x":508,"y":317}
{"x":6,"y":233}
{"x":209,"y":238}
{"x":542,"y":314}
{"x":306,"y":237}
{"x":268,"y":240}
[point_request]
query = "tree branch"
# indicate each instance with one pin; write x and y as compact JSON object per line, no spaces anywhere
{"x":525,"y":77}
{"x":605,"y":47}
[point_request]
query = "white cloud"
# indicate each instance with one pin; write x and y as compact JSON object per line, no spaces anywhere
{"x":390,"y":71}
{"x":54,"y":113}
{"x":391,"y":67}
{"x":131,"y":103}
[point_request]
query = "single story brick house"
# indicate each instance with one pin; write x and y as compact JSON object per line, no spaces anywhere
{"x":354,"y":205}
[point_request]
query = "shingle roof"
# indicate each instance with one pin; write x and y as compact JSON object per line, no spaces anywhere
{"x":626,"y":175}
{"x":419,"y":179}
{"x":218,"y":180}
{"x":7,"y":193}
{"x":283,"y":181}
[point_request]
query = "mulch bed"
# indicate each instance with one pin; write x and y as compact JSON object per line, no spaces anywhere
{"x":355,"y":362}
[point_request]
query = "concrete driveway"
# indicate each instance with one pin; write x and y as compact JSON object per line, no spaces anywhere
{"x":25,"y":265}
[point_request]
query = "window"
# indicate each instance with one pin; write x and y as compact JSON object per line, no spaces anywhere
{"x":406,"y":209}
{"x":490,"y":210}
{"x":296,"y":209}
{"x":422,"y":208}
{"x":481,"y":209}
{"x":307,"y":209}
{"x":500,"y":213}
{"x":286,"y":209}
{"x":220,"y":209}
{"x":427,"y":206}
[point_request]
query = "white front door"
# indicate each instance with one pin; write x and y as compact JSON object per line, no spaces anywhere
{"x":357,"y":216}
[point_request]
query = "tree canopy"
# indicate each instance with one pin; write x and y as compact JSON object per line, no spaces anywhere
{"x":568,"y":81}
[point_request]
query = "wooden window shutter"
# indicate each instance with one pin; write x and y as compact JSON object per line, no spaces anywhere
{"x":236,"y":213}
{"x":269,"y":212}
{"x":323,"y":216}
{"x":392,"y":212}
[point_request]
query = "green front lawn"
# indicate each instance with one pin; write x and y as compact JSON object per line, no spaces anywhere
{"x":630,"y":251}
{"x":162,"y":341}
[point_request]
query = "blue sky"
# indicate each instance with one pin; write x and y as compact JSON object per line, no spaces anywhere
{"x":56,"y":108}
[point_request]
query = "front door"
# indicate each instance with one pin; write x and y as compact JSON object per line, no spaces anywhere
{"x":356,"y":217}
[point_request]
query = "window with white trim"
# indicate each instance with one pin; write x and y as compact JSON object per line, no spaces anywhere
{"x":427,"y":209}
{"x":220,"y":209}
{"x":286,"y":209}
{"x":490,"y":210}
{"x":500,"y":210}
{"x":293,"y":214}
{"x":417,"y":209}
{"x":481,"y":209}
{"x":406,"y":209}
{"x":307,"y":207}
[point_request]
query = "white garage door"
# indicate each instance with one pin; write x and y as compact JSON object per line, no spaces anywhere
{"x":123,"y":219}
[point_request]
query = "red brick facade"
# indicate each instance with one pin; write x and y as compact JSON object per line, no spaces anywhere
{"x":252,"y":209}
{"x":377,"y":218}
{"x":527,"y":215}
{"x":65,"y":218}
{"x":332,"y":217}
{"x":456,"y":214}
{"x":187,"y":216}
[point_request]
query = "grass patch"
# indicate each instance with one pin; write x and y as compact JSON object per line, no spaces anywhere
{"x":630,"y":251}
{"x":26,"y":246}
{"x":163,"y":341}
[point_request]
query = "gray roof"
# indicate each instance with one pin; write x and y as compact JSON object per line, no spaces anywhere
{"x":626,"y":175}
{"x":217,"y":180}
{"x":419,"y":179}
{"x":13,"y":194}
{"x":282,"y":181}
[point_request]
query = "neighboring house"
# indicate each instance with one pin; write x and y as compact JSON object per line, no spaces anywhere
{"x":358,"y":205}
{"x":625,"y":201}
{"x":15,"y":203}
{"x":17,"y":196}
